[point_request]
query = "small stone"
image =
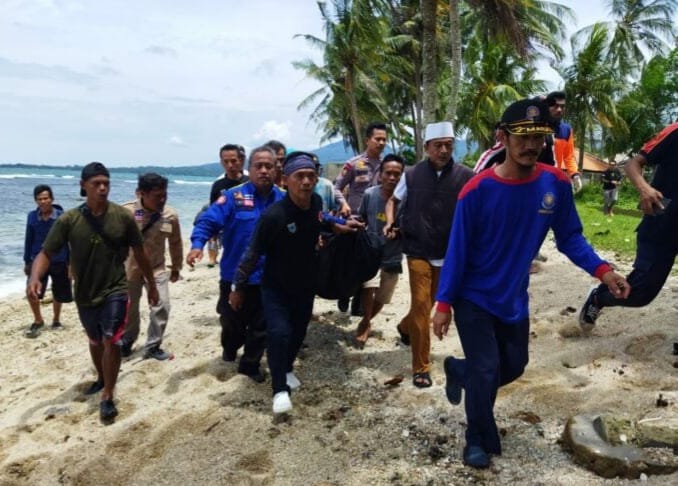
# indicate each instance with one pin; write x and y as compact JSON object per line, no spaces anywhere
{"x":661,"y":401}
{"x":406,"y":433}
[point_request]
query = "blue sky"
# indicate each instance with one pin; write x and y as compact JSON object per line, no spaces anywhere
{"x":157,"y":82}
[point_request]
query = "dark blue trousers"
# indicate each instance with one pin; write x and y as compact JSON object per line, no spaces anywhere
{"x":495,"y":355}
{"x":650,"y":270}
{"x":287,"y":318}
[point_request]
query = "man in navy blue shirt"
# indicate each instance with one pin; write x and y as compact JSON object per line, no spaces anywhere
{"x":38,"y":224}
{"x":501,"y":219}
{"x":235,"y":214}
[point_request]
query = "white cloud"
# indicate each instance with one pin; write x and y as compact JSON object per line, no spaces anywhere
{"x":273,"y":129}
{"x":177,"y":141}
{"x":157,"y":76}
{"x":162,"y":51}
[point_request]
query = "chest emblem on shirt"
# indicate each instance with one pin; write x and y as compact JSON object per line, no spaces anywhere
{"x":360,"y":165}
{"x":292,"y":228}
{"x":245,"y":201}
{"x":138,"y":215}
{"x":548,"y":202}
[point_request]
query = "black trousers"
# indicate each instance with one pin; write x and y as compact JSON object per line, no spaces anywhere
{"x":650,"y":270}
{"x":245,"y":327}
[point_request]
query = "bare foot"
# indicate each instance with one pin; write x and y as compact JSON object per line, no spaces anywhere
{"x":362,"y":333}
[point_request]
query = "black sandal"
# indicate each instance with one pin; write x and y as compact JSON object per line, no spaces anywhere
{"x":95,"y":387}
{"x":422,"y":380}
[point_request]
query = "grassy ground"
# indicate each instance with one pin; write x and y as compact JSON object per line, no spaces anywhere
{"x":613,"y":233}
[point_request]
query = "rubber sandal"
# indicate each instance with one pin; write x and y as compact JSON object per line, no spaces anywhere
{"x":35,"y":329}
{"x":95,"y":387}
{"x":107,"y":410}
{"x":422,"y":380}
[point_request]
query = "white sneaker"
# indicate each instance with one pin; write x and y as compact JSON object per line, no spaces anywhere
{"x":292,"y":381}
{"x":281,"y":402}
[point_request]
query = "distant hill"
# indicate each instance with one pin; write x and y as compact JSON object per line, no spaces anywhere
{"x":203,"y":170}
{"x":333,"y":153}
{"x":336,"y":153}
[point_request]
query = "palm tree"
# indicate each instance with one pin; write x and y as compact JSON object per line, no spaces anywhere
{"x":648,"y":106}
{"x":526,"y":28}
{"x":638,"y":28}
{"x":351,"y":49}
{"x":591,"y":84}
{"x":493,"y":81}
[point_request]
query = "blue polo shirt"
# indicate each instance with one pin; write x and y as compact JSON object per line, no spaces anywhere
{"x":236,"y":212}
{"x":36,"y":232}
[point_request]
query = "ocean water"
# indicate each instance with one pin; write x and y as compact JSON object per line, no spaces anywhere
{"x":187,"y":194}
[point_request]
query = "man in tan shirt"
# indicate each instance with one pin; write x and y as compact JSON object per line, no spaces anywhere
{"x":159,"y":224}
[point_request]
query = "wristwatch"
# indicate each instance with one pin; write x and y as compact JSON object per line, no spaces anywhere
{"x":233,"y":288}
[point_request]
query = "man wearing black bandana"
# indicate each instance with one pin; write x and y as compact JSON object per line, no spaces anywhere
{"x":287,"y":235}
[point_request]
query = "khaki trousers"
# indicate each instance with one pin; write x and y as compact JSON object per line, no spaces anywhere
{"x":417,"y":322}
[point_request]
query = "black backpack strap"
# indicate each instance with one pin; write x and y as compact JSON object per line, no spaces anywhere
{"x":96,"y":226}
{"x":154,"y":217}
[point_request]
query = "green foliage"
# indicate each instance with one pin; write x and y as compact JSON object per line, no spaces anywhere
{"x":650,"y":104}
{"x":612,"y":233}
{"x":373,"y":63}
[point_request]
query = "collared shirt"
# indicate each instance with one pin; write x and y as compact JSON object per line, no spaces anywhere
{"x":358,"y":174}
{"x":164,"y":229}
{"x":36,"y":231}
{"x":236,"y":212}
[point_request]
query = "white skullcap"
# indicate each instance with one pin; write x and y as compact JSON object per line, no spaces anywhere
{"x":438,"y":130}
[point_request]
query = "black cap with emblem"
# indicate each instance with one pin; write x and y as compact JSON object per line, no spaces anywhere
{"x":527,"y":117}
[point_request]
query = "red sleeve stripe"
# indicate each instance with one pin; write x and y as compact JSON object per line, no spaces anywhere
{"x":653,"y":142}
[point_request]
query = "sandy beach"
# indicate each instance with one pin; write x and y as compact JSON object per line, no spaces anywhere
{"x":193,"y":420}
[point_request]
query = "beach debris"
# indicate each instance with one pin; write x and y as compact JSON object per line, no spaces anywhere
{"x":661,"y":401}
{"x":52,"y":412}
{"x":568,"y":310}
{"x":394,"y":381}
{"x":527,"y":416}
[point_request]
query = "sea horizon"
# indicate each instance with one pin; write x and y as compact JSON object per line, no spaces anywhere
{"x":187,"y":194}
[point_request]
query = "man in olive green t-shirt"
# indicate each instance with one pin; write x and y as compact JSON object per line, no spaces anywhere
{"x":99,"y":234}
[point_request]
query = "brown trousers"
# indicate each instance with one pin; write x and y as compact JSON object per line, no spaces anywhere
{"x":417,"y":322}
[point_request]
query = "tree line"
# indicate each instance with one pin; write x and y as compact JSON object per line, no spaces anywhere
{"x":411,"y":62}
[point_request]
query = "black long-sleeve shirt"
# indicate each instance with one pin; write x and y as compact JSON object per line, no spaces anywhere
{"x":287,"y":236}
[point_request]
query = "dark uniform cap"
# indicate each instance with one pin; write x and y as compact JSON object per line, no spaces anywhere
{"x":91,"y":170}
{"x":527,"y":117}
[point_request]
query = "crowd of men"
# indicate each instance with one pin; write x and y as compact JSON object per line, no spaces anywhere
{"x":469,"y":240}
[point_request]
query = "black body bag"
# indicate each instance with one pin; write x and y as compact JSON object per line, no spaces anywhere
{"x":345,"y":262}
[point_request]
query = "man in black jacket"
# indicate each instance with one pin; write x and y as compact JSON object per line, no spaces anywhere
{"x":429,"y":194}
